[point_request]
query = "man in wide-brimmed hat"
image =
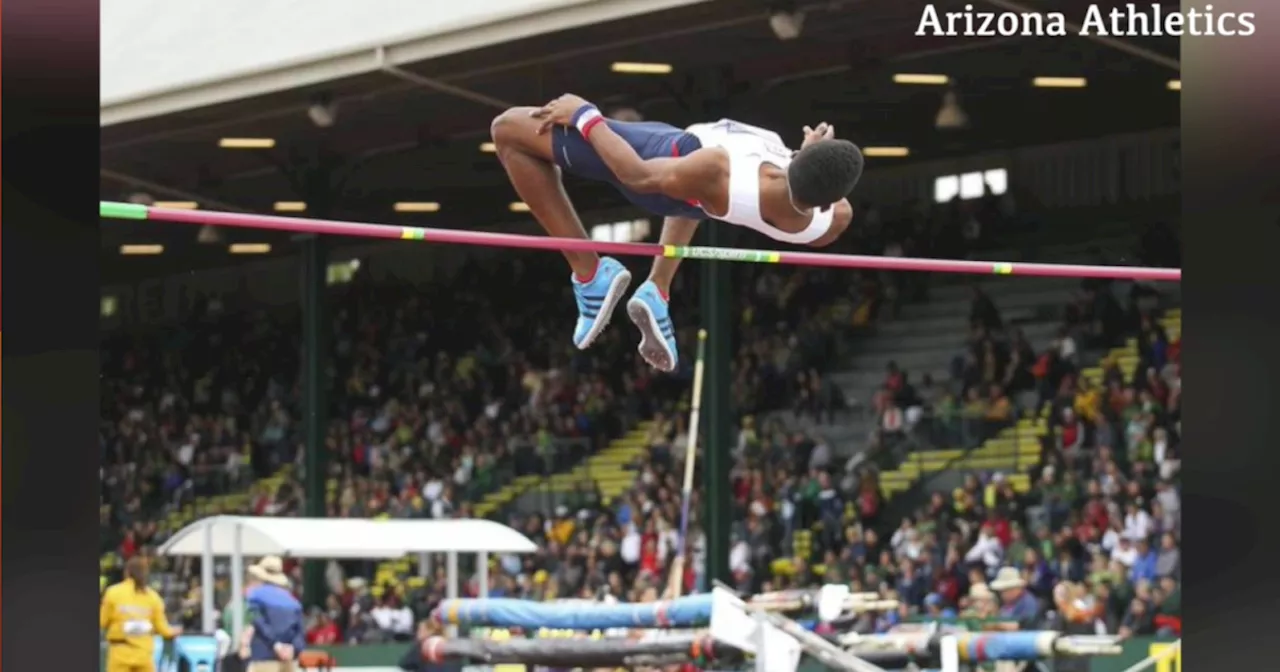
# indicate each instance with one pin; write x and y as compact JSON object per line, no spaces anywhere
{"x":269,"y":570}
{"x":981,"y":602}
{"x":277,"y":631}
{"x":1016,"y":604}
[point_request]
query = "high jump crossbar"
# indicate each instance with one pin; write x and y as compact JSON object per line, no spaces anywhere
{"x":132,"y":211}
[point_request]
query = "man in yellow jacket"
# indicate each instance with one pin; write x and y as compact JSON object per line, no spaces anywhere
{"x":132,"y":615}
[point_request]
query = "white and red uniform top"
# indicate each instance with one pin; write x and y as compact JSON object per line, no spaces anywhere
{"x":749,"y":146}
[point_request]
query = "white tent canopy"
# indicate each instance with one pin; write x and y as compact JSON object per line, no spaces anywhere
{"x":334,"y":538}
{"x":343,"y":537}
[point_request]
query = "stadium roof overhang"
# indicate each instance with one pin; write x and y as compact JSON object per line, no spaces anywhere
{"x":415,"y":133}
{"x":326,"y":42}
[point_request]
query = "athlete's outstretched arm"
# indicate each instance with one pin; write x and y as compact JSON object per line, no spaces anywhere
{"x":840,"y":218}
{"x":651,"y":176}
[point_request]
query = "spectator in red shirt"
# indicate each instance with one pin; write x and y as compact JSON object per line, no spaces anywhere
{"x":323,"y":631}
{"x":999,"y":527}
{"x":893,"y":378}
{"x":649,"y":556}
{"x":129,"y":546}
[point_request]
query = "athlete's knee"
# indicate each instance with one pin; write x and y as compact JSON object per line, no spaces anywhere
{"x":512,"y":128}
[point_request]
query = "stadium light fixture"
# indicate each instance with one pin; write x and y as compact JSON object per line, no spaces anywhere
{"x":630,"y":68}
{"x":519,"y":206}
{"x":247,"y":143}
{"x":886,"y":152}
{"x":1060,"y":82}
{"x":921,"y":79}
{"x":250,"y":248}
{"x":786,"y":23}
{"x":417,"y":206}
{"x":290,"y":206}
{"x":322,"y":112}
{"x":208,"y":235}
{"x":1174,"y":85}
{"x":951,"y":116}
{"x":141,"y":249}
{"x":176,"y":205}
{"x":488,"y":147}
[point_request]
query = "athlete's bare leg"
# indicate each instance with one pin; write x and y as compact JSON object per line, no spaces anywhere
{"x":675,"y":231}
{"x":527,"y":157}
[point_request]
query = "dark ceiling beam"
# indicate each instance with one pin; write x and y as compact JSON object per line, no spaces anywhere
{"x":155,"y":188}
{"x":1114,"y":43}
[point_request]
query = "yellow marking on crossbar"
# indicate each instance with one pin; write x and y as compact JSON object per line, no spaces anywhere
{"x":1002,"y":269}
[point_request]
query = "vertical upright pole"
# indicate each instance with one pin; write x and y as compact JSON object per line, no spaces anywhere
{"x":717,"y":307}
{"x":237,"y":601}
{"x":315,"y":265}
{"x":207,"y":624}
{"x":717,"y":298}
{"x":482,"y":573}
{"x":451,"y":589}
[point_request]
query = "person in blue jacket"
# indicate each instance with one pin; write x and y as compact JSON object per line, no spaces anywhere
{"x":277,"y":631}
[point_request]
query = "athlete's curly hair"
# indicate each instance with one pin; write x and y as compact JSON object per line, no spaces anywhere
{"x":824,"y":172}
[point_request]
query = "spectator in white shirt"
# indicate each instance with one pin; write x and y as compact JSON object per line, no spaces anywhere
{"x":1165,"y":456}
{"x":1170,"y":504}
{"x":1111,"y":538}
{"x":987,"y":550}
{"x":820,"y":458}
{"x":899,"y":538}
{"x":740,"y":557}
{"x":629,"y":549}
{"x":394,"y":619}
{"x":1067,"y":347}
{"x":1125,"y":553}
{"x":187,"y":451}
{"x":1137,"y":522}
{"x":442,"y":506}
{"x":432,"y":489}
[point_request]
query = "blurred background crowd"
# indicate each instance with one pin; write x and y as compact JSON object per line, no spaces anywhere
{"x":441,"y":396}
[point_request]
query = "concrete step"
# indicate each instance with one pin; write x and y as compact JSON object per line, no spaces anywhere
{"x":1003,"y":286}
{"x":916,"y":362}
{"x":1111,"y":246}
{"x":908,"y":324}
{"x":1044,"y":298}
{"x":950,"y":340}
{"x":858,"y":384}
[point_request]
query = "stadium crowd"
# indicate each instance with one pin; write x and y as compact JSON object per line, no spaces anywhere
{"x":440,"y":394}
{"x":1093,"y":546}
{"x":437,"y":396}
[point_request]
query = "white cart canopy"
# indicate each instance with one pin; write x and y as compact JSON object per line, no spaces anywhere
{"x":343,"y":537}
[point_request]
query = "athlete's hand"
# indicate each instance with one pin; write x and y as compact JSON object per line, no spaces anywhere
{"x":824,"y":131}
{"x":558,"y":112}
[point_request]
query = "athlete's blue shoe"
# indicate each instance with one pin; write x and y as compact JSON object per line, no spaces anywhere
{"x":648,"y":311}
{"x":597,"y":299}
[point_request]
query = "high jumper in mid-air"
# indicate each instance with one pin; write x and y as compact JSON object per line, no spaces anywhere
{"x":724,"y":170}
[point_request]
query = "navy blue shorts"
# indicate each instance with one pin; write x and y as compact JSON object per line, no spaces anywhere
{"x":650,"y":139}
